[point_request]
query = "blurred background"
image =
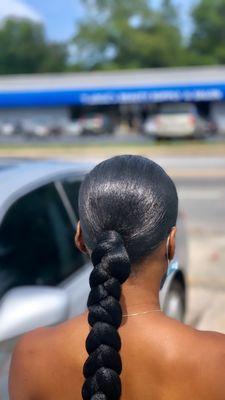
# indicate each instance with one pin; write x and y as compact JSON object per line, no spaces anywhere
{"x":81,"y":81}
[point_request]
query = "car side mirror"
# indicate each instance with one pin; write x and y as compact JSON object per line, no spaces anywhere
{"x":25,"y":308}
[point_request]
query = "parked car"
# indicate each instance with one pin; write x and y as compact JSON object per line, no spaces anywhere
{"x":178,"y":120}
{"x":43,"y":277}
{"x":9,"y":128}
{"x":73,"y":128}
{"x":35,"y":128}
{"x":95,"y":124}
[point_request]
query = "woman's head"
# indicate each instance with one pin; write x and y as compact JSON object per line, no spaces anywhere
{"x":133,"y":196}
{"x":127,"y":206}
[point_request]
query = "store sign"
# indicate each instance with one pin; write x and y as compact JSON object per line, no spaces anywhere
{"x":152,"y":96}
{"x":136,"y":95}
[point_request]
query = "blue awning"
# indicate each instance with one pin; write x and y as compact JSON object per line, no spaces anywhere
{"x":120,"y":95}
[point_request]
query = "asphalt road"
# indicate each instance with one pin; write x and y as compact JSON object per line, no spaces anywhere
{"x":201,"y":189}
{"x":107,"y":138}
{"x":201,"y":192}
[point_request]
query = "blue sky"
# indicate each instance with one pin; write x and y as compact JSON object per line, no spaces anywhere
{"x":60,"y":16}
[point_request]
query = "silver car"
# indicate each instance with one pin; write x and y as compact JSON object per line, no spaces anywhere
{"x":43,"y":277}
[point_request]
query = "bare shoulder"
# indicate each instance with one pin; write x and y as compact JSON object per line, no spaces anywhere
{"x":183,"y":355}
{"x":26,"y":359}
{"x":44,"y":353}
{"x":175,"y":343}
{"x":199,"y":352}
{"x":187,"y":337}
{"x":213,"y":344}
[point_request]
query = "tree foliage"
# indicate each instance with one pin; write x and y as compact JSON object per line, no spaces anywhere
{"x":207,"y":44}
{"x":128,"y":34}
{"x":25,"y":49}
{"x":118,"y":34}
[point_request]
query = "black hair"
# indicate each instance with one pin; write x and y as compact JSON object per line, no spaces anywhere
{"x":127,"y":207}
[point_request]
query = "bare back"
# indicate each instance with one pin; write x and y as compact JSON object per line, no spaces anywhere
{"x":162,"y":360}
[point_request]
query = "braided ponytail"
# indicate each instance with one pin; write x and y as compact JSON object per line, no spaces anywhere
{"x":127,"y":207}
{"x":103,"y":366}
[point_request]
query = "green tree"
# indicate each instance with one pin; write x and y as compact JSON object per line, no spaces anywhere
{"x":25,"y":49}
{"x":127,"y":34}
{"x":207,"y":45}
{"x":169,"y":12}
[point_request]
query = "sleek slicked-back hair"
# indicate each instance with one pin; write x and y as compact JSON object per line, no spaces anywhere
{"x":127,"y":207}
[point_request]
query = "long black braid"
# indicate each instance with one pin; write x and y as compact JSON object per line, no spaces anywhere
{"x":103,"y":366}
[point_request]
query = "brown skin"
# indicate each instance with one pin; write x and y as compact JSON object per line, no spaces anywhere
{"x":162,"y":358}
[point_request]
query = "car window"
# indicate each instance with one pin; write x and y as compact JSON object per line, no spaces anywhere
{"x":37,"y":241}
{"x":71,"y":186}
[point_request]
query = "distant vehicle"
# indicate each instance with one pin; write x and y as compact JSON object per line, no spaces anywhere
{"x":35,"y":128}
{"x":56,"y":129}
{"x":96,"y":124}
{"x":73,"y":128}
{"x":43,"y":277}
{"x":9,"y":128}
{"x":42,"y":128}
{"x":178,"y":120}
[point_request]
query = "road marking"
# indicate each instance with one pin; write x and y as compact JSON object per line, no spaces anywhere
{"x":195,"y":194}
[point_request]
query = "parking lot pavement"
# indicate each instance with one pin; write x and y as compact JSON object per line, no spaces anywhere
{"x":206,"y":308}
{"x":207,"y":261}
{"x":201,"y":189}
{"x":206,"y":281}
{"x":213,"y":317}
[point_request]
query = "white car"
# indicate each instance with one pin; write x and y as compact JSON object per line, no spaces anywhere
{"x":96,"y":124}
{"x":44,"y":279}
{"x":35,"y":128}
{"x":8,"y":128}
{"x":177,"y":120}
